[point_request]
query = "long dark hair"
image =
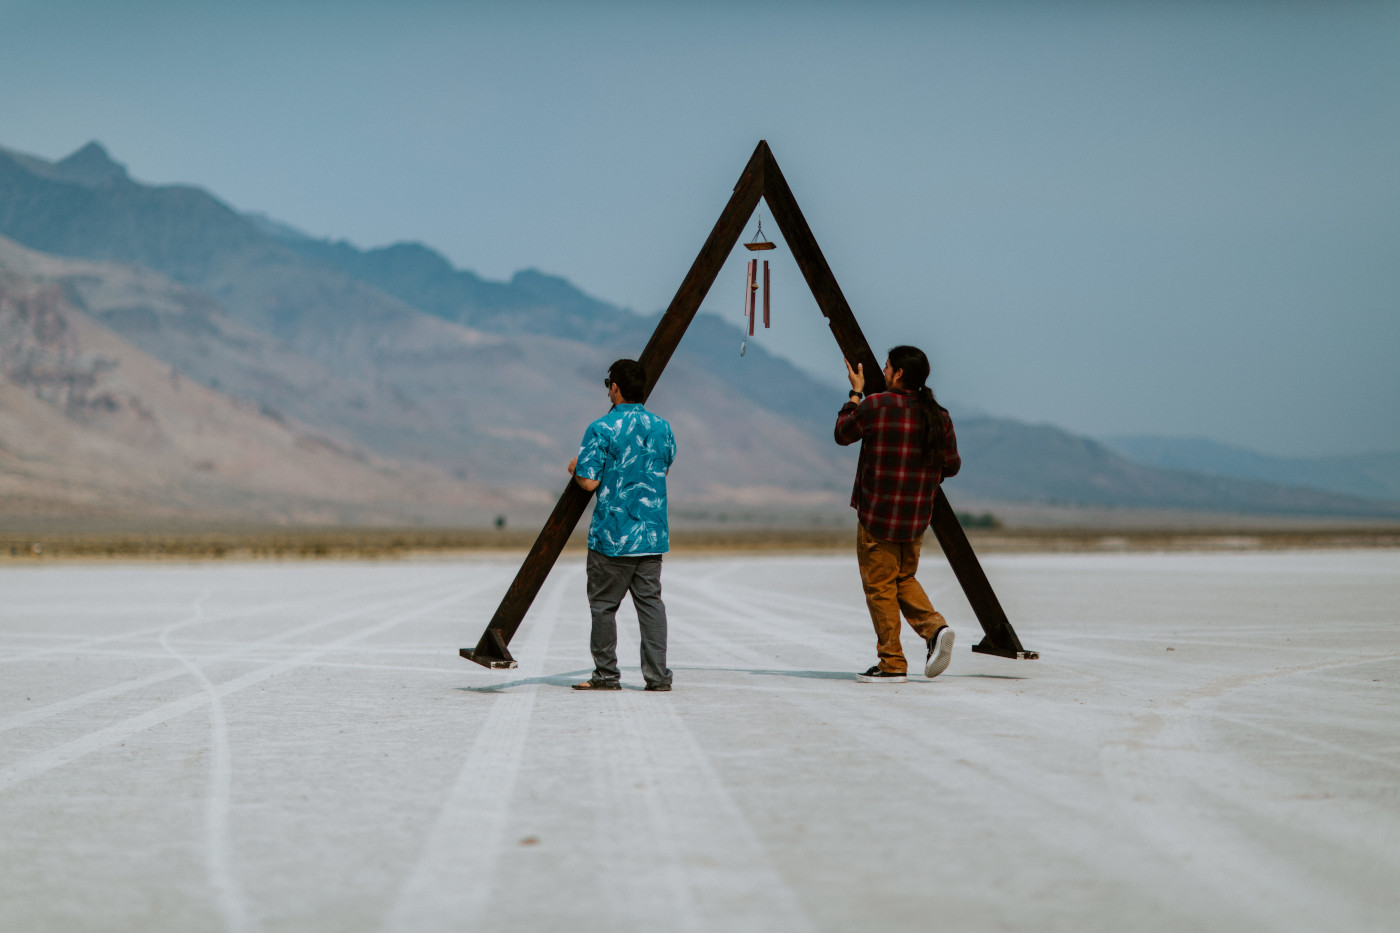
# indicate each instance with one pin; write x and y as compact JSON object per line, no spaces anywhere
{"x":916,"y":370}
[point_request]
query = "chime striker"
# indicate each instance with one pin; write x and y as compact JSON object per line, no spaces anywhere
{"x":761,"y":178}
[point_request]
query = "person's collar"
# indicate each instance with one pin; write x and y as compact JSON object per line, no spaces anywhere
{"x":627,"y":405}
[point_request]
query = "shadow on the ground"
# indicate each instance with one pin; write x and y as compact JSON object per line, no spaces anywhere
{"x":763,"y":672}
{"x":987,"y":676}
{"x":569,"y":678}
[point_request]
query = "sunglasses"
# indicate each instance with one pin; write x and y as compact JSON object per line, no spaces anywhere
{"x":607,"y":383}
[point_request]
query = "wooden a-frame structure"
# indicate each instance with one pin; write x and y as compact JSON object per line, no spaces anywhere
{"x":761,"y":179}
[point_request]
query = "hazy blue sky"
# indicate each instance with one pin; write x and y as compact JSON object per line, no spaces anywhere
{"x":1176,"y":218}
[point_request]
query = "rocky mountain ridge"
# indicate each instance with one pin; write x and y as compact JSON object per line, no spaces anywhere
{"x":91,"y":425}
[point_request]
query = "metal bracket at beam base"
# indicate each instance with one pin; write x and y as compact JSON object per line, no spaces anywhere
{"x":1015,"y":654}
{"x":761,"y":180}
{"x":494,"y":663}
{"x":490,"y":652}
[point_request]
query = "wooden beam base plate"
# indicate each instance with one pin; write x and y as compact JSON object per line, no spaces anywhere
{"x":1015,"y":654}
{"x":485,"y":661}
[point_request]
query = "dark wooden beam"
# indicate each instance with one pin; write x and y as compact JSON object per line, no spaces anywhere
{"x":761,"y":178}
{"x":815,"y":270}
{"x":999,"y":637}
{"x":492,"y":649}
{"x":696,"y":285}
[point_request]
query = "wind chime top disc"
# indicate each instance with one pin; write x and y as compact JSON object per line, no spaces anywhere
{"x":765,"y":244}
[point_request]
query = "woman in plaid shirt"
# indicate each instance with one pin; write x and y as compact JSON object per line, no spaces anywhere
{"x":907,"y":448}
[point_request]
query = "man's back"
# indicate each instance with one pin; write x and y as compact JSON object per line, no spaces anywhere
{"x":629,"y":451}
{"x":624,"y":458}
{"x":894,"y":489}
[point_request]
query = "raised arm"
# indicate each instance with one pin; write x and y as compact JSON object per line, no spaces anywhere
{"x":848,"y":423}
{"x":588,"y":484}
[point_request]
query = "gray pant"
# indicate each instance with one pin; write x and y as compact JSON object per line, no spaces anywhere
{"x":609,"y":578}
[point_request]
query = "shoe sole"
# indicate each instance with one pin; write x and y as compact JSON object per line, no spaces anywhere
{"x":942,"y":653}
{"x":898,"y":679}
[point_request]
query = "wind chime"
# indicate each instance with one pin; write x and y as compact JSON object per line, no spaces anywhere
{"x":758,"y":242}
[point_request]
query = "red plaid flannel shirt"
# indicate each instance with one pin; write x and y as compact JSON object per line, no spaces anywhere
{"x":894,"y":491}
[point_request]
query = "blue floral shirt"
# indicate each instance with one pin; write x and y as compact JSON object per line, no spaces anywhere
{"x":628,"y":451}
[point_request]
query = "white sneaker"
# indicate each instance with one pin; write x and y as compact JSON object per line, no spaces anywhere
{"x":940,"y":652}
{"x":877,"y":676}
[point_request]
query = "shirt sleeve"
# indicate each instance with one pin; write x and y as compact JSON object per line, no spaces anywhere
{"x":670,"y":448}
{"x":592,"y":453}
{"x":849,"y":424}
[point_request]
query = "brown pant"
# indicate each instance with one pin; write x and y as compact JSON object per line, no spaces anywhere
{"x":887,"y":572}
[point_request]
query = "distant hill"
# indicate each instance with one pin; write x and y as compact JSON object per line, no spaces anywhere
{"x":86,"y":205}
{"x":1373,"y":475}
{"x":536,"y":303}
{"x":498,"y":410}
{"x":530,"y":303}
{"x":504,"y":407}
{"x":395,"y":359}
{"x":92,"y":426}
{"x":328,"y":299}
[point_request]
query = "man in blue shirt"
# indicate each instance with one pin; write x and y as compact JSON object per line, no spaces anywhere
{"x":625,"y":456}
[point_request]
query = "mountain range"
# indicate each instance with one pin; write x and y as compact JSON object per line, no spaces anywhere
{"x":386,"y":385}
{"x":91,"y":425}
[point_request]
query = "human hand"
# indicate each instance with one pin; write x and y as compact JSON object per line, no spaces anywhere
{"x":573,"y":465}
{"x":857,"y":376}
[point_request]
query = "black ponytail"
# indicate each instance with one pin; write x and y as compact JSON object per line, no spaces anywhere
{"x":914,"y":364}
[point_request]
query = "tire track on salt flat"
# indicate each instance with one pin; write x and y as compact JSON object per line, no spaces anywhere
{"x":1282,"y":889}
{"x":28,"y":717}
{"x":84,"y":642}
{"x":1179,"y":796}
{"x":69,"y":752}
{"x":218,"y":862}
{"x":682,"y":849}
{"x":450,"y":884}
{"x":963,"y":765}
{"x":766,"y":624}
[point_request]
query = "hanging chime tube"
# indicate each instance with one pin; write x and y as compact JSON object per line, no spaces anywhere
{"x":749,"y":304}
{"x":765,"y":293}
{"x":748,"y":289}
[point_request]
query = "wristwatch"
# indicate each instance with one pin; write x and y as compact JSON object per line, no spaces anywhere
{"x":853,"y":394}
